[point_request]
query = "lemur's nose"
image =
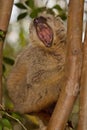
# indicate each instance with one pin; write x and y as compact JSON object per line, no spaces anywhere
{"x":40,"y":19}
{"x":36,"y":20}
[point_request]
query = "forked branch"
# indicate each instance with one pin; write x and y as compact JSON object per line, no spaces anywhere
{"x":73,"y":67}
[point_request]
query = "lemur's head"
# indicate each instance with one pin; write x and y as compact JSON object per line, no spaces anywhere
{"x":47,"y":30}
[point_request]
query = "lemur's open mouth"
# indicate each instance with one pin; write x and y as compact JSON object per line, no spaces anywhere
{"x":44,"y":31}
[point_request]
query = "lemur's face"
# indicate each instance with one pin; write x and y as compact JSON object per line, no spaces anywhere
{"x":47,"y":30}
{"x":43,"y":30}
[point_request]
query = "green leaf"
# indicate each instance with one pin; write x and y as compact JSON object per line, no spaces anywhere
{"x":63,"y":15}
{"x":4,"y":68}
{"x":32,"y":118}
{"x":8,"y":61}
{"x":58,"y":7}
{"x":6,"y":123}
{"x":22,"y":15}
{"x":32,"y":121}
{"x":35,"y":12}
{"x":20,"y":5}
{"x":17,"y":116}
{"x":8,"y":103}
{"x":22,"y":38}
{"x":50,"y":11}
{"x":30,"y":3}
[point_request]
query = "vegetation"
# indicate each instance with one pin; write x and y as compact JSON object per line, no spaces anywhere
{"x":11,"y":120}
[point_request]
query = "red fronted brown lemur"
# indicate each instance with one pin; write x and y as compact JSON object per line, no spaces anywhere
{"x":35,"y":80}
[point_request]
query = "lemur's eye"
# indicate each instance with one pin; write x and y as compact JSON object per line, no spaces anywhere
{"x":43,"y":19}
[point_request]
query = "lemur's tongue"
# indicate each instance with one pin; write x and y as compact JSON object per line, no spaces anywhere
{"x":44,"y":31}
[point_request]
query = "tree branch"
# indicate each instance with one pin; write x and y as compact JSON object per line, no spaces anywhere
{"x":5,"y":12}
{"x":73,"y":67}
{"x":82,"y":125}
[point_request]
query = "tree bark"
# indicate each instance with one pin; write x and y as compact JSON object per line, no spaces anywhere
{"x":5,"y":12}
{"x":73,"y":67}
{"x":82,"y":125}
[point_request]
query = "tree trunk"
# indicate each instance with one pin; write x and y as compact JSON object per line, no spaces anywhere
{"x":73,"y":67}
{"x":5,"y":12}
{"x":82,"y":125}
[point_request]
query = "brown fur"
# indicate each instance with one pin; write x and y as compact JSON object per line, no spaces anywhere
{"x":35,"y":80}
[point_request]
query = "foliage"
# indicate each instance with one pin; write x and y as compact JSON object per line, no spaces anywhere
{"x":29,"y":8}
{"x":9,"y":119}
{"x":7,"y":60}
